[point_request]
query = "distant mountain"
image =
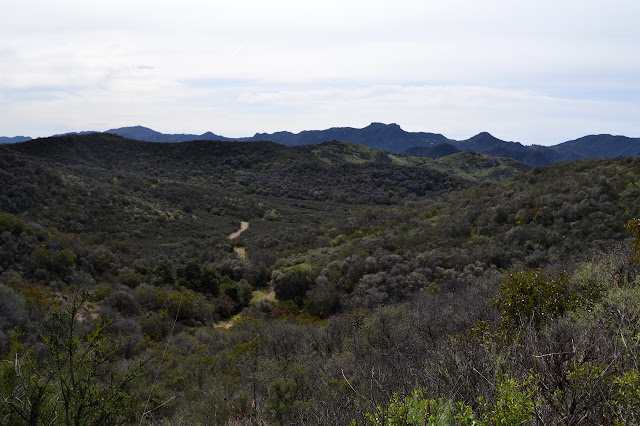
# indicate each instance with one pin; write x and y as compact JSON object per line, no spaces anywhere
{"x":86,"y":132}
{"x":392,"y":138}
{"x":594,"y":146}
{"x":141,"y":133}
{"x":485,"y":141}
{"x":438,"y":151}
{"x":488,"y":144}
{"x":388,"y":137}
{"x":598,"y":146}
{"x":14,"y":139}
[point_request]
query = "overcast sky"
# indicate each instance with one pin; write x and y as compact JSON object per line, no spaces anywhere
{"x":531,"y":71}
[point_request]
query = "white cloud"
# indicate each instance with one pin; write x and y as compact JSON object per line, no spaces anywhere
{"x":457,"y":111}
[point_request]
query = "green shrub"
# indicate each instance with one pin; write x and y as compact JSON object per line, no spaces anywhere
{"x":516,"y":403}
{"x":418,"y":411}
{"x":534,"y":298}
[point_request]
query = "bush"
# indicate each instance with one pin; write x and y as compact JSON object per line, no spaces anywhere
{"x":534,"y":298}
{"x":416,"y":410}
{"x":293,"y":283}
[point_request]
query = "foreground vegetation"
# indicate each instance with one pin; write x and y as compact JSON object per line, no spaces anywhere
{"x":465,"y":290}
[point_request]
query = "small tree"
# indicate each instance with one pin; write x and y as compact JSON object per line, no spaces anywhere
{"x":76,"y":382}
{"x":534,"y":297}
{"x":293,"y":283}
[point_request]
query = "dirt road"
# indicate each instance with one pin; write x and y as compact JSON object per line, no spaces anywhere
{"x":243,"y":227}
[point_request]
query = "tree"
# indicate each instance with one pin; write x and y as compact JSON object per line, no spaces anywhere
{"x":293,"y":284}
{"x":76,"y":382}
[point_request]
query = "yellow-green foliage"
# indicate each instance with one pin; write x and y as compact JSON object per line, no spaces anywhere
{"x":516,"y":404}
{"x":416,"y":410}
{"x":627,"y":397}
{"x":65,"y":384}
{"x":55,"y":261}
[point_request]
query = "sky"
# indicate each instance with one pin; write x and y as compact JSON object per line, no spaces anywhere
{"x":537,"y":72}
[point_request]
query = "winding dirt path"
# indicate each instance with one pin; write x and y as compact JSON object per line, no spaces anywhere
{"x":241,"y":252}
{"x":243,"y":227}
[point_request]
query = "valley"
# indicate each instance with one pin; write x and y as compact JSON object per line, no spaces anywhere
{"x":330,"y":283}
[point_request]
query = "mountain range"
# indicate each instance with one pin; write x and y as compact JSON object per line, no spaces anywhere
{"x":392,"y":138}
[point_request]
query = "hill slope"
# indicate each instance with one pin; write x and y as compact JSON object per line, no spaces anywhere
{"x":438,"y":151}
{"x":263,"y":168}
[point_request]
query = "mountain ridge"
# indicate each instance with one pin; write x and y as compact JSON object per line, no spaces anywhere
{"x":392,"y":138}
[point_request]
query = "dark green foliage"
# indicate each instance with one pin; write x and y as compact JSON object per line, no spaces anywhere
{"x":293,"y":283}
{"x":203,"y":278}
{"x":239,"y":293}
{"x":164,"y":272}
{"x":384,"y":269}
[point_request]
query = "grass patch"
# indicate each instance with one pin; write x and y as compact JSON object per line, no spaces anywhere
{"x":259,"y":294}
{"x":241,"y":252}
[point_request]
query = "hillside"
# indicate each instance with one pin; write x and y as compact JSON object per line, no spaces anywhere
{"x":480,"y":167}
{"x":262,"y":168}
{"x":438,"y":151}
{"x":391,"y":275}
{"x":469,"y":166}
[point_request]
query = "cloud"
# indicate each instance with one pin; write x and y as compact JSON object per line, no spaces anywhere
{"x":460,"y":111}
{"x":453,"y":66}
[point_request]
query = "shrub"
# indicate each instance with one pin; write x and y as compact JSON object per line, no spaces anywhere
{"x":416,"y":410}
{"x":534,"y":297}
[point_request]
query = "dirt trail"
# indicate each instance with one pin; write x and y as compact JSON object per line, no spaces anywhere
{"x":243,"y":227}
{"x":230,"y":323}
{"x":241,"y":252}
